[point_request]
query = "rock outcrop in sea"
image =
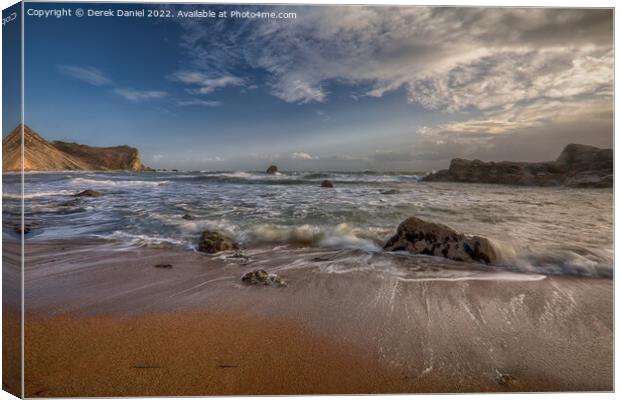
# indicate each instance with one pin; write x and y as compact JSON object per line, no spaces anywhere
{"x":577,"y":166}
{"x":421,"y":237}
{"x":88,"y":193}
{"x":214,"y":242}
{"x":327,"y":184}
{"x":272,"y":170}
{"x":41,"y":155}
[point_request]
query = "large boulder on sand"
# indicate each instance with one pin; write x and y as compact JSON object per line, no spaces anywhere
{"x":213,"y":242}
{"x":420,"y":237}
{"x":272,"y":170}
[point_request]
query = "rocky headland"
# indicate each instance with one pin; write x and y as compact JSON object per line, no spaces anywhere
{"x":577,"y":166}
{"x":41,"y":155}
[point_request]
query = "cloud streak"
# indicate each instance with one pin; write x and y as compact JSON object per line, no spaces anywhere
{"x":96,"y":77}
{"x":90,"y":75}
{"x":136,"y":96}
{"x":206,"y":84}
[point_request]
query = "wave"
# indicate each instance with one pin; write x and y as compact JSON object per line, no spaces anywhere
{"x":370,"y":240}
{"x":568,"y":261}
{"x":342,"y":236}
{"x":156,"y":241}
{"x":118,"y":183}
{"x":564,"y":263}
{"x":37,"y":194}
{"x":258,"y":178}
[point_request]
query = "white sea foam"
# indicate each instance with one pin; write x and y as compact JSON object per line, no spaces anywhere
{"x":38,"y":194}
{"x":117,"y":183}
{"x":341,"y":236}
{"x":535,"y":230}
{"x":142,"y":240}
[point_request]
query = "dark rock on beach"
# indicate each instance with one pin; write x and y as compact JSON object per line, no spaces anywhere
{"x":214,"y":242}
{"x":505,"y":379}
{"x":420,"y":237}
{"x":262,"y":277}
{"x":577,"y":166}
{"x":88,"y":193}
{"x":273,"y":169}
{"x":327,"y":184}
{"x":163,"y":266}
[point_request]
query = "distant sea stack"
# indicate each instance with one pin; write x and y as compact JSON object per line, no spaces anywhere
{"x":577,"y":166}
{"x":41,"y":155}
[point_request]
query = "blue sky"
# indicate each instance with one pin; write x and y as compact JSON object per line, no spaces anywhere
{"x":345,"y":88}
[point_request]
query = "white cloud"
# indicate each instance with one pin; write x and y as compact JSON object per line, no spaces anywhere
{"x":303,"y":156}
{"x":535,"y":114}
{"x":448,"y":59}
{"x":494,"y":72}
{"x":206,"y":84}
{"x":90,"y":75}
{"x":298,"y":91}
{"x":136,"y":96}
{"x":158,"y":157}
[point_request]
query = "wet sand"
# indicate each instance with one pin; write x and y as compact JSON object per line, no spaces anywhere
{"x":348,"y":322}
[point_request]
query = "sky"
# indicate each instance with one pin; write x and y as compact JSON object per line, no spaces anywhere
{"x":336,"y":88}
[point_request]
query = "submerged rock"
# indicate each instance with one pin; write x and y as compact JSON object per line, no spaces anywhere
{"x":420,"y":237}
{"x":273,"y":169}
{"x":262,"y":277}
{"x":327,"y":184}
{"x":213,"y":242}
{"x":88,"y":193}
{"x":70,"y":203}
{"x":25,"y":229}
{"x":187,"y":217}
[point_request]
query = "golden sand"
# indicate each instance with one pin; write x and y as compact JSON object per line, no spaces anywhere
{"x":190,"y":354}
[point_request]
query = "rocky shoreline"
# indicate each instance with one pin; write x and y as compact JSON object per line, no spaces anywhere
{"x":578,"y":166}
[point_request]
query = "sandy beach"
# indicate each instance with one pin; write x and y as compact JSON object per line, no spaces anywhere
{"x":193,"y":354}
{"x":11,"y":316}
{"x":102,"y":320}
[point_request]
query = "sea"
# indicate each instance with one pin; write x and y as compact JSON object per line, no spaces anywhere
{"x":537,"y":230}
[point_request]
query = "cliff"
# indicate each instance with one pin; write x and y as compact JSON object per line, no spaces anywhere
{"x":41,"y":155}
{"x":577,"y":166}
